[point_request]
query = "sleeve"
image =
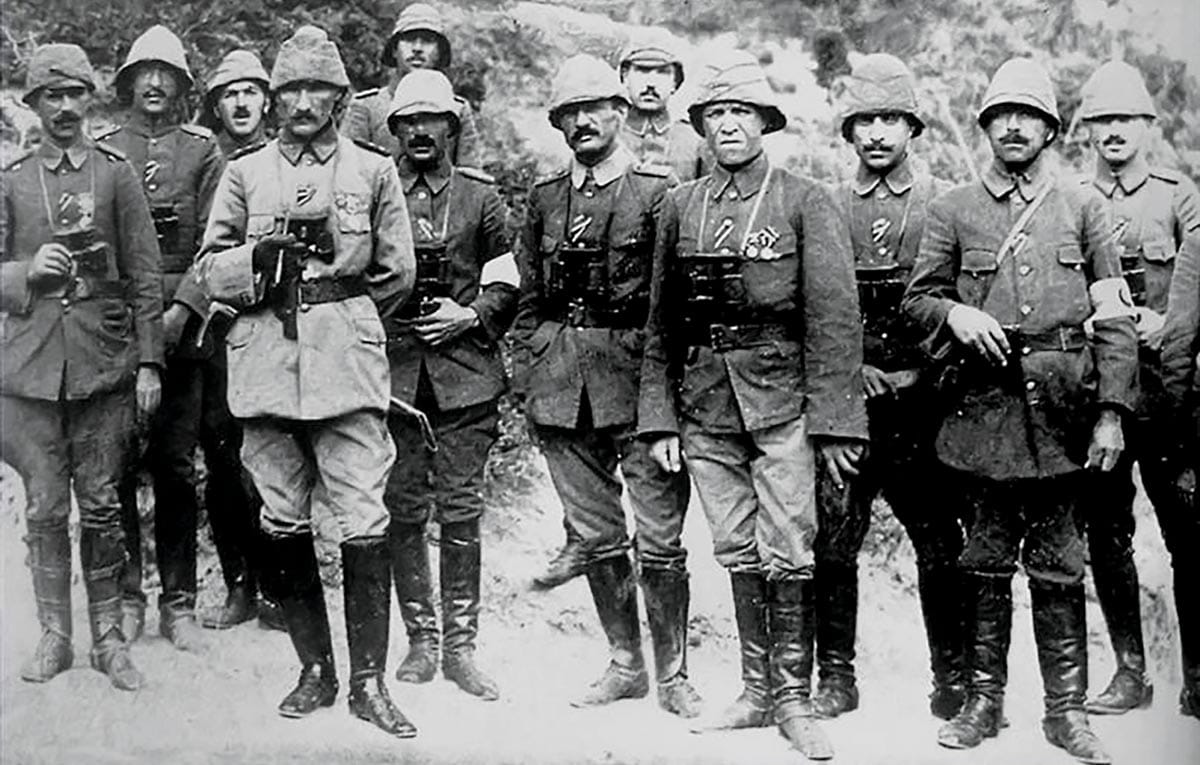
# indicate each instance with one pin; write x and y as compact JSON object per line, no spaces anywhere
{"x":1186,"y":207}
{"x":499,"y":279}
{"x":139,"y":261}
{"x":833,"y":343}
{"x":356,"y":124}
{"x":1114,"y":339}
{"x":529,"y":301}
{"x":467,"y":152}
{"x":226,"y":261}
{"x":393,"y":269}
{"x":1181,"y":343}
{"x":932,"y":287}
{"x":15,"y":295}
{"x":190,"y":292}
{"x":656,"y":401}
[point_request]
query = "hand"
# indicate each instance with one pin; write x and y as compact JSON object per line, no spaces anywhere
{"x":446,"y":323}
{"x":1150,"y":327}
{"x":148,"y":392}
{"x":841,"y":458}
{"x":1108,"y":441}
{"x":175,"y":319}
{"x":665,"y":452}
{"x":980,"y":331}
{"x":267,"y":252}
{"x":52,"y":262}
{"x":876,"y":382}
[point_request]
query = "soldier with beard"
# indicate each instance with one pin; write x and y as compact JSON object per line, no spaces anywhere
{"x":1153,"y":210}
{"x":81,"y":303}
{"x":179,"y":165}
{"x":418,"y":41}
{"x":235,"y":106}
{"x":1007,"y":274}
{"x":885,"y":205}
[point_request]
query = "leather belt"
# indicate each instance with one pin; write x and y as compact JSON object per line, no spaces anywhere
{"x":726,"y":337}
{"x":82,"y":288}
{"x":1058,"y":339}
{"x":332,"y":289}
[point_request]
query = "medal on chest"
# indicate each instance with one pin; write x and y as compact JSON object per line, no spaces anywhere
{"x":305,"y":194}
{"x":425,"y":228}
{"x":578,"y":227}
{"x":76,"y":210}
{"x":760,"y":245}
{"x":879,"y":231}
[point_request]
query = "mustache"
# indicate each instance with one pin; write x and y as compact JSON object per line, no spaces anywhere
{"x":421,"y":142}
{"x":1113,"y":140}
{"x":66,"y":119}
{"x":877,"y":146}
{"x":1014,"y":137}
{"x":583,"y":132}
{"x":148,"y":92}
{"x":241,"y":111}
{"x":650,"y":90}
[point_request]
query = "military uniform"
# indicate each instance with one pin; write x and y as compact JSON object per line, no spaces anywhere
{"x":366,"y":119}
{"x":71,"y":349}
{"x":179,"y":166}
{"x":463,"y":254}
{"x":1181,"y":382}
{"x":308,"y":370}
{"x":659,"y":140}
{"x":1153,"y":210}
{"x":1019,"y":435}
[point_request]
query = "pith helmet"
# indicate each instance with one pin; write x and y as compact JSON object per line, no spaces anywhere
{"x":1116,"y":89}
{"x":583,"y":78}
{"x":56,"y":65}
{"x":737,"y":76}
{"x":653,"y":47}
{"x":309,"y":54}
{"x":238,"y":66}
{"x":414,"y":18}
{"x":880,"y":82}
{"x":1020,"y":81}
{"x":156,"y":44}
{"x":423,"y":91}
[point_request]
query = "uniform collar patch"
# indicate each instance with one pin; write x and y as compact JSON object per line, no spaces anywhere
{"x":75,"y":155}
{"x":435,"y":179}
{"x":1000,"y":183}
{"x":605,"y":171}
{"x":140,"y":125}
{"x":648,"y":123}
{"x":321,"y":147}
{"x":743,"y":182}
{"x":1130,"y":179}
{"x":898,"y":180}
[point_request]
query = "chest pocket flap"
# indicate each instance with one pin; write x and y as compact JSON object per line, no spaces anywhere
{"x":1070,"y":255}
{"x":353,"y":212}
{"x":978,"y":262}
{"x":1158,"y":251}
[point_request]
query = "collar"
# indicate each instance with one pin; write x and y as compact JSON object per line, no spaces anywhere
{"x":75,"y":154}
{"x":898,"y":180}
{"x":228,"y":144}
{"x":1130,"y":179}
{"x":606,"y":171}
{"x":139,"y":124}
{"x":642,"y":123}
{"x":321,"y":146}
{"x":1000,"y":183}
{"x":744,"y":182}
{"x":435,"y":179}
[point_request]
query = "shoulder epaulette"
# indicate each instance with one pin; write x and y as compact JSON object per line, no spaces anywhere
{"x":653,"y":170}
{"x":112,"y":152}
{"x":197,"y":131}
{"x":475,"y":174}
{"x":106,"y":133}
{"x":369,"y":92}
{"x":14,"y":162}
{"x":372,"y":147}
{"x":1173,"y":177}
{"x":245,"y":150}
{"x":558,"y":175}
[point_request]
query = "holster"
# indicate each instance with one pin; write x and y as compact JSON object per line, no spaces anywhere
{"x":1134,"y":271}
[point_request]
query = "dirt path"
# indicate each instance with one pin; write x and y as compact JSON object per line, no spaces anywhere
{"x":218,"y":706}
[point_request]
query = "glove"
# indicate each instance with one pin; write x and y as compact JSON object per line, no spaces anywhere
{"x":266,"y":258}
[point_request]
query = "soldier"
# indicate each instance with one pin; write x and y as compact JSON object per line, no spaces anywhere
{"x":752,"y":363}
{"x":1153,"y":209}
{"x":179,"y":165}
{"x":235,"y":105}
{"x":885,"y":205}
{"x":1007,"y":272}
{"x":418,"y":41}
{"x":585,"y":279}
{"x":309,"y":240}
{"x":445,"y":359}
{"x":652,"y":71}
{"x":1181,"y":382}
{"x":81,"y":303}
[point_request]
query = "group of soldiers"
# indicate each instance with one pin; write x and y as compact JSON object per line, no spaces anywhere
{"x":322,"y":313}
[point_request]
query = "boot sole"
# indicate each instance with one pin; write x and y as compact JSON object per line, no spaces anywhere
{"x":1085,"y":760}
{"x":408,"y":731}
{"x":1100,"y":709}
{"x":296,"y":714}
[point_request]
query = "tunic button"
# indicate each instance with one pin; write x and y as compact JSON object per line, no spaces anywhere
{"x":1026,"y":310}
{"x":152,"y":186}
{"x":304,"y":306}
{"x":422,"y":195}
{"x":1030,"y":385}
{"x":66,"y":301}
{"x":732,"y":194}
{"x":1026,"y":350}
{"x":1024,"y":270}
{"x":726,"y":251}
{"x":589,"y":193}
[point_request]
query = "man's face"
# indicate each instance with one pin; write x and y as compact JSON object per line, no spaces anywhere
{"x":419,"y":49}
{"x":1018,"y":134}
{"x":734,"y":131}
{"x":61,"y":110}
{"x":880,"y":139}
{"x":1118,"y":138}
{"x":591,"y":127}
{"x":649,"y":85}
{"x":306,"y":107}
{"x":424,"y":137}
{"x":156,"y":85}
{"x":241,"y":107}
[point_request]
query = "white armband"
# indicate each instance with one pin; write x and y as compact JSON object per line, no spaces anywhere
{"x":501,"y":270}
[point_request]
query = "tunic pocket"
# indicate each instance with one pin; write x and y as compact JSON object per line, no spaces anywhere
{"x":975,"y":272}
{"x":370,"y":331}
{"x":1158,"y":252}
{"x":239,"y":335}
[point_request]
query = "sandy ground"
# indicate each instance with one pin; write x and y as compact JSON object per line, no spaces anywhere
{"x":218,"y":705}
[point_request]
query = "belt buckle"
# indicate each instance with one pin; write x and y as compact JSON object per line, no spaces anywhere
{"x":720,"y":337}
{"x":576,"y":314}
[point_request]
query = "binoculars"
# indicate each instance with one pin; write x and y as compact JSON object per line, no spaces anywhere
{"x":89,"y":256}
{"x":433,"y":280}
{"x":166,"y":227}
{"x":313,"y":239}
{"x":712,"y":286}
